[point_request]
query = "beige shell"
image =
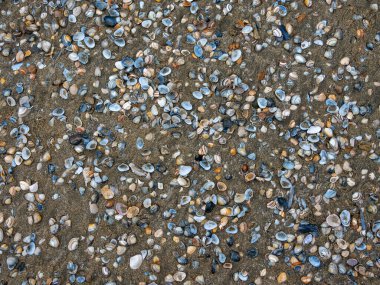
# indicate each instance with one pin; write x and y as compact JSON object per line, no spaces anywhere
{"x":73,"y":244}
{"x":249,"y":176}
{"x":132,"y":212}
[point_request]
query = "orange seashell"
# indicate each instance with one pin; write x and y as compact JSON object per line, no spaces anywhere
{"x":360,"y":33}
{"x":218,"y":170}
{"x":261,"y":75}
{"x":301,"y":17}
{"x":23,"y":71}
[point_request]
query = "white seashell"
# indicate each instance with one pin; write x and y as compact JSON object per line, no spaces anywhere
{"x":25,"y":153}
{"x":333,"y":220}
{"x":23,"y":112}
{"x":299,"y":58}
{"x":184,"y":170}
{"x":45,"y":45}
{"x":34,"y":187}
{"x":345,"y":61}
{"x":73,"y":56}
{"x":332,"y":42}
{"x":179,"y":276}
{"x":314,"y":130}
{"x":247,"y":29}
{"x":54,"y":242}
{"x":277,"y":33}
{"x":135,"y":261}
{"x":24,"y":185}
{"x":73,"y":244}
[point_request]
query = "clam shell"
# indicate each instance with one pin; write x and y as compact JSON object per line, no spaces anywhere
{"x":333,"y":220}
{"x":73,"y":244}
{"x":249,"y":176}
{"x":135,"y":261}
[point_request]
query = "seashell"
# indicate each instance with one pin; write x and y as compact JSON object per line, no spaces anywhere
{"x":135,"y":261}
{"x":342,"y":244}
{"x":329,"y":194}
{"x":12,"y":262}
{"x":198,"y":51}
{"x":132,"y":212}
{"x":356,"y":197}
{"x":285,"y":182}
{"x":210,"y":225}
{"x":277,"y":33}
{"x":221,"y":186}
{"x":281,"y":236}
{"x":184,"y":170}
{"x":167,"y":22}
{"x":107,"y":192}
{"x":239,"y":198}
{"x":332,"y":42}
{"x":91,"y":145}
{"x":247,"y":29}
{"x":114,"y":107}
{"x":20,"y":56}
{"x":34,"y":187}
{"x":226,"y":211}
{"x":299,"y":58}
{"x":185,"y":200}
{"x":73,"y":244}
{"x":110,"y":21}
{"x":280,"y":94}
{"x":83,"y":57}
{"x":184,"y":182}
{"x":308,"y":3}
{"x":314,"y":130}
{"x":119,"y":32}
{"x":345,"y":61}
{"x":236,"y":55}
{"x":221,"y":200}
{"x":345,"y":218}
{"x":314,"y":261}
{"x":120,"y":42}
{"x":139,"y":143}
{"x":78,"y":36}
{"x":54,"y":242}
{"x":289,"y":28}
{"x":324,"y":253}
{"x":333,"y":220}
{"x":197,"y":95}
{"x":106,"y":54}
{"x":45,"y":46}
{"x":121,"y":209}
{"x":72,"y":18}
{"x":58,"y":112}
{"x":23,"y":112}
{"x":179,"y":276}
{"x":90,"y":43}
{"x":123,"y":167}
{"x":11,"y":102}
